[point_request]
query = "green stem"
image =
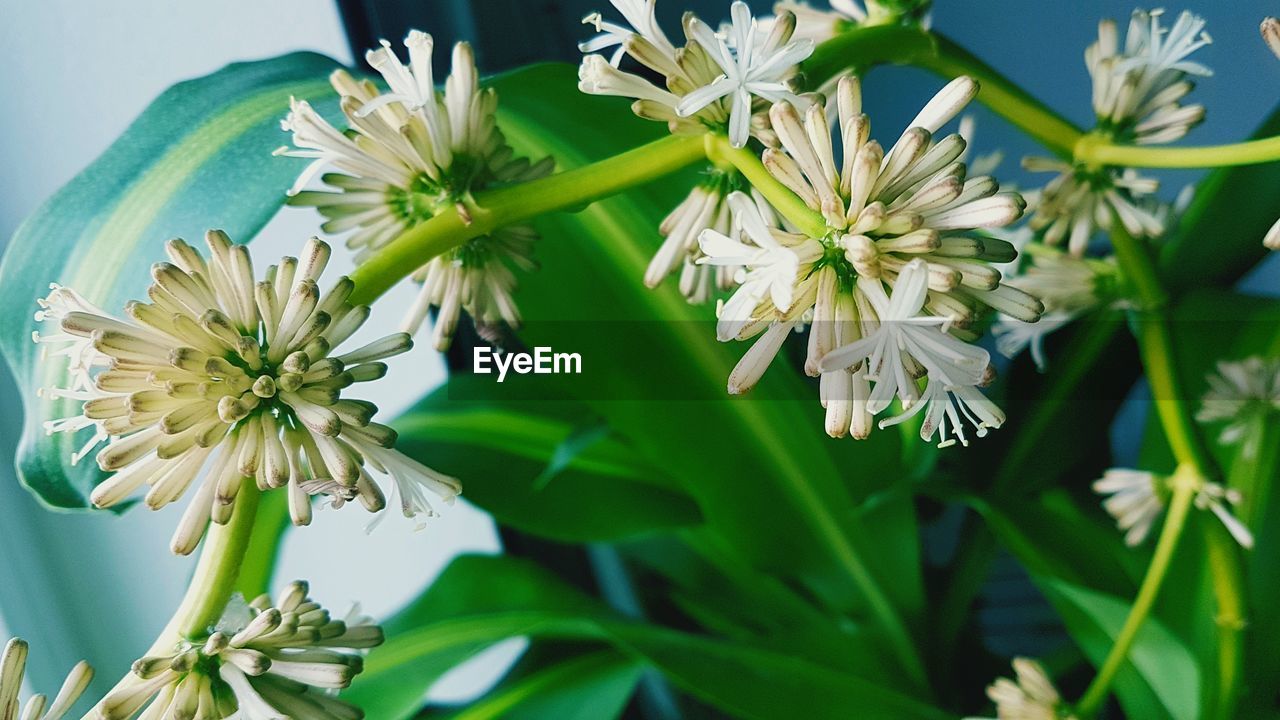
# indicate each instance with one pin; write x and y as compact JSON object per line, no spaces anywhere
{"x":493,"y":209}
{"x":1185,"y":485}
{"x":747,"y":162}
{"x":263,"y":550}
{"x":214,"y":579}
{"x":1096,"y":150}
{"x":1155,"y":344}
{"x":862,"y":46}
{"x":1003,"y":96}
{"x":216,"y":573}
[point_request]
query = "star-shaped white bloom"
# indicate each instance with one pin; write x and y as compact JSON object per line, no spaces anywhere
{"x":904,"y":340}
{"x":643,"y":22}
{"x":772,"y":261}
{"x":750,"y":67}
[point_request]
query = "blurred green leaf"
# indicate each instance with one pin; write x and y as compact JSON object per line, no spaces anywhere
{"x":1220,"y":236}
{"x":590,"y":686}
{"x":478,"y":601}
{"x":1161,"y":678}
{"x":198,"y":157}
{"x":501,"y":446}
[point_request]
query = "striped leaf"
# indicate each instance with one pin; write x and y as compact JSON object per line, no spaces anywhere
{"x":198,"y":157}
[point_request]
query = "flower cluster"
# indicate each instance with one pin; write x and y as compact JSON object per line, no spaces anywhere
{"x":234,"y":379}
{"x":1242,"y":395}
{"x":1137,"y":98}
{"x":1137,"y":498}
{"x":263,"y":661}
{"x":13,"y":665}
{"x":412,"y":153}
{"x":721,"y":82}
{"x":1069,"y":287}
{"x":1031,"y":696}
{"x":705,"y":207}
{"x":889,"y":291}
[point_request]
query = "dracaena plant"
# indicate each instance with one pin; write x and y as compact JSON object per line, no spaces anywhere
{"x":758,"y":518}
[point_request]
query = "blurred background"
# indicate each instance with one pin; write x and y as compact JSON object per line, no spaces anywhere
{"x":76,"y":73}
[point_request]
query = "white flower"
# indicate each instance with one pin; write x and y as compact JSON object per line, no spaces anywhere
{"x":751,"y":66}
{"x":220,"y":378}
{"x":706,"y":207}
{"x":1242,"y":394}
{"x":885,"y":209}
{"x":1079,"y":202}
{"x":13,"y":665}
{"x":1013,"y":335}
{"x":772,"y":262}
{"x":640,"y":15}
{"x":1031,"y":697}
{"x":1138,"y":497}
{"x":904,"y":217}
{"x":1137,"y":89}
{"x":1271,"y":34}
{"x":1137,"y":93}
{"x":906,"y":344}
{"x":263,"y":661}
{"x":412,"y":153}
{"x":714,"y":82}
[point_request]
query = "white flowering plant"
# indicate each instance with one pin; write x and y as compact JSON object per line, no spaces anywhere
{"x":867,"y":510}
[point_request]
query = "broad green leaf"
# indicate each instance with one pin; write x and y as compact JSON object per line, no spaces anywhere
{"x":1220,"y":235}
{"x":485,"y":597}
{"x":472,"y":428}
{"x":591,"y":686}
{"x":198,"y":157}
{"x":1053,"y":538}
{"x":1161,"y":678}
{"x":763,"y":473}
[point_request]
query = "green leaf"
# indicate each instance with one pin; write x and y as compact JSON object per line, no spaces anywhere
{"x":198,"y":157}
{"x":591,"y":686}
{"x":1161,"y":678}
{"x":763,"y":473}
{"x":1220,"y":235}
{"x":478,"y":601}
{"x":502,"y":447}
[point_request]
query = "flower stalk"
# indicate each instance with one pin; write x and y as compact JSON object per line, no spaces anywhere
{"x":1155,"y":345}
{"x":1098,"y":150}
{"x":487,"y":211}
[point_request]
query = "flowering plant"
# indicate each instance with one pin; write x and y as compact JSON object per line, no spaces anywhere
{"x":816,"y":521}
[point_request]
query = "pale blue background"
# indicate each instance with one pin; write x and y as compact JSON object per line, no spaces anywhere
{"x":75,"y":73}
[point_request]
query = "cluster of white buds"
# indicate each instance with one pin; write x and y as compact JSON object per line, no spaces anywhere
{"x":890,"y":290}
{"x":705,"y":207}
{"x":1137,"y":94}
{"x":234,"y":379}
{"x":717,"y":81}
{"x":13,"y":665}
{"x":1243,"y":395}
{"x":263,"y":661}
{"x":1136,"y":498}
{"x":1031,"y":696}
{"x":410,"y":154}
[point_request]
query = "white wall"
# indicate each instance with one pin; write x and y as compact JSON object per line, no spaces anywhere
{"x":75,"y":73}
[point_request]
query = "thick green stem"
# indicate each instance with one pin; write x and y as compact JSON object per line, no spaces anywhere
{"x":1185,"y":485}
{"x":1096,"y":150}
{"x":491,"y":210}
{"x":216,"y":573}
{"x":1003,"y":96}
{"x":862,"y":46}
{"x":747,"y":162}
